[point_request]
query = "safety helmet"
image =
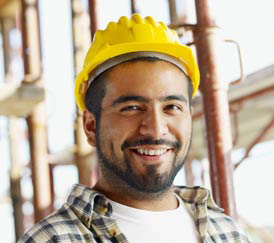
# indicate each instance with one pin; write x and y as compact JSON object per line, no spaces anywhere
{"x":136,"y":34}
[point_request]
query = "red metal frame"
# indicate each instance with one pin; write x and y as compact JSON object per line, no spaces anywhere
{"x":216,"y":109}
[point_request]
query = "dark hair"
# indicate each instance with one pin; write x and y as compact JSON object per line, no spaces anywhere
{"x":96,"y":91}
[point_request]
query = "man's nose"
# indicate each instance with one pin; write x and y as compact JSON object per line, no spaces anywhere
{"x":154,"y":124}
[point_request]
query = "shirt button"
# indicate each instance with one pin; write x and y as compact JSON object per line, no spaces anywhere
{"x":104,"y":210}
{"x":112,"y":232}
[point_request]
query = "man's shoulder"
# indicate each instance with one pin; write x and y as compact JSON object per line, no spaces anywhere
{"x":213,"y":223}
{"x":62,"y":225}
{"x":223,"y":227}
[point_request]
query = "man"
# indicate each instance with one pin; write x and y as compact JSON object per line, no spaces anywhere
{"x":135,"y":91}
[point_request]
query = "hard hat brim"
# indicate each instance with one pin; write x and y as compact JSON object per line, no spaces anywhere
{"x":183,"y":53}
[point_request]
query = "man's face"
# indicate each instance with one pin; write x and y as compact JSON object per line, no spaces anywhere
{"x":145,"y":125}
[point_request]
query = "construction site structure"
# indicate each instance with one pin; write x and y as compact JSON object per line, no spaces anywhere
{"x":36,"y":120}
{"x":223,"y":118}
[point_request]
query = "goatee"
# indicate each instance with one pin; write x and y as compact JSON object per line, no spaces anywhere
{"x":148,"y":185}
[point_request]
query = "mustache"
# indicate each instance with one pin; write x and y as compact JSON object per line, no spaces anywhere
{"x":150,"y":141}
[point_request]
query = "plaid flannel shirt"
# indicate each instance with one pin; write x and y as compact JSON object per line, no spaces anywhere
{"x":86,"y":217}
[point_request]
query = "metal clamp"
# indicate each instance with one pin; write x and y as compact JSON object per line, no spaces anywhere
{"x":243,"y":76}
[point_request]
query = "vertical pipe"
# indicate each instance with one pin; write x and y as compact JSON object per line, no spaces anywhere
{"x":5,"y":28}
{"x":216,"y":108}
{"x":36,"y":122}
{"x":93,"y":4}
{"x":42,"y":200}
{"x":81,"y":42}
{"x":134,"y":7}
{"x":14,"y":141}
{"x":15,"y":177}
{"x":81,"y":33}
{"x":173,"y":12}
{"x":31,"y":40}
{"x":189,"y":172}
{"x":51,"y":174}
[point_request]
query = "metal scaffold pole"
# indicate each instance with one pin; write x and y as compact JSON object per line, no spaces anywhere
{"x":36,"y":122}
{"x":173,"y":12}
{"x":216,"y":107}
{"x":134,"y":7}
{"x":6,"y":25}
{"x":93,"y":16}
{"x":81,"y":42}
{"x":15,"y":177}
{"x":14,"y":141}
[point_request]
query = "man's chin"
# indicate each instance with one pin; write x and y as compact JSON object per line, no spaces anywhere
{"x":149,"y":183}
{"x":152,"y":183}
{"x":147,"y":192}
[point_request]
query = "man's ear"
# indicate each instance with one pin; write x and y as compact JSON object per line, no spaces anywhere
{"x":89,"y":125}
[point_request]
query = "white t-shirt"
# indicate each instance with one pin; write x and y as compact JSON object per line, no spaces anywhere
{"x":142,"y":226}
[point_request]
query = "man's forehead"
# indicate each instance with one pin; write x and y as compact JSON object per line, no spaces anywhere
{"x":146,"y":82}
{"x":134,"y":74}
{"x":146,"y":65}
{"x":133,"y":57}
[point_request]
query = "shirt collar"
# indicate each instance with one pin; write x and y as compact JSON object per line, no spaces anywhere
{"x":198,"y":200}
{"x":197,"y":195}
{"x":85,"y":202}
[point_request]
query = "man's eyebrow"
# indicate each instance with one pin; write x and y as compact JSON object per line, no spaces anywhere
{"x":174,"y":97}
{"x":126,"y":98}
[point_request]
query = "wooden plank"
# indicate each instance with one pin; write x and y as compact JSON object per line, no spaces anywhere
{"x":19,"y":100}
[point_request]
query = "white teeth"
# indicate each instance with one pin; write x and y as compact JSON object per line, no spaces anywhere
{"x":151,"y":152}
{"x":158,"y":152}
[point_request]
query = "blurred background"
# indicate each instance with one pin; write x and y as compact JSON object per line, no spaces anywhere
{"x":43,"y":150}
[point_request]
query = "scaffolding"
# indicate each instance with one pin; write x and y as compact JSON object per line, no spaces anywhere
{"x":221,"y":112}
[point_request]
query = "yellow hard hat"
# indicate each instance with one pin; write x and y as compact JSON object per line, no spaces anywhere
{"x":136,"y":34}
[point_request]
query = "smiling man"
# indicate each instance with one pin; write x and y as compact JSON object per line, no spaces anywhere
{"x":135,"y":91}
{"x":149,"y":137}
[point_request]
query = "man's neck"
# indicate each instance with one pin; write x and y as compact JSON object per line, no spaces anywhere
{"x":146,"y":201}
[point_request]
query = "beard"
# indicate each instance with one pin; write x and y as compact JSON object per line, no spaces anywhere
{"x":151,"y":184}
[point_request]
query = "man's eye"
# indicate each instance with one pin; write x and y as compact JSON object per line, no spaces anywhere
{"x":130,"y":108}
{"x":173,"y":107}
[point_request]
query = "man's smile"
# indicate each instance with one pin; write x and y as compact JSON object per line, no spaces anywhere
{"x":152,"y":154}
